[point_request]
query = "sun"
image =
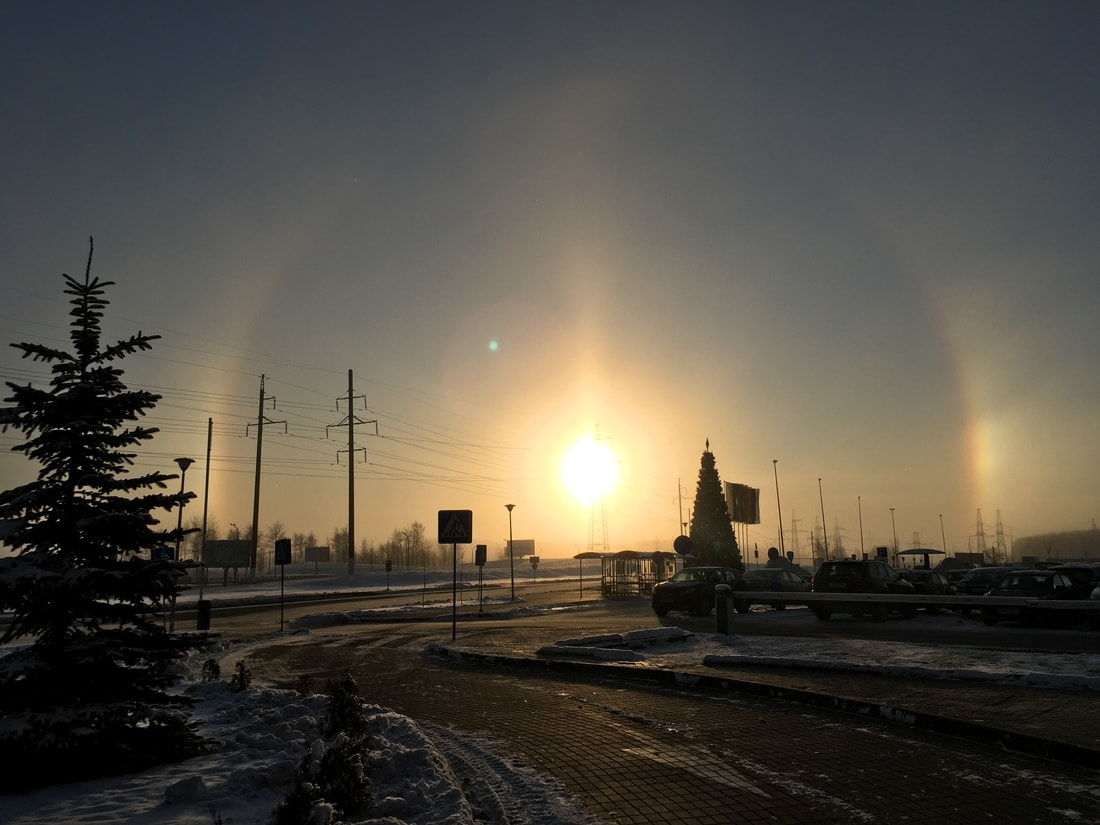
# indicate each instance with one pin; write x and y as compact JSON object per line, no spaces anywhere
{"x":589,"y":470}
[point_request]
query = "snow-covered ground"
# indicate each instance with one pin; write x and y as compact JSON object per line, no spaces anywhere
{"x":418,"y":774}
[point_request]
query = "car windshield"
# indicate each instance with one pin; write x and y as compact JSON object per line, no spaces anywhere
{"x":1024,"y":581}
{"x":982,"y":575}
{"x":691,"y":574}
{"x":844,"y":572}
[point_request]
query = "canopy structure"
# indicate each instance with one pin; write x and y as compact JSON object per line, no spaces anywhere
{"x":629,"y":572}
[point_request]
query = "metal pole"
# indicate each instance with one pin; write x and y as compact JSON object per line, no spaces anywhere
{"x":205,"y":505}
{"x":893,"y":527}
{"x":943,"y":538}
{"x":824,"y":535}
{"x":859,"y":505}
{"x":351,"y":478}
{"x":252,"y":553}
{"x":782,"y":549}
{"x":183,"y":463}
{"x":454,"y":591}
{"x":511,"y":555}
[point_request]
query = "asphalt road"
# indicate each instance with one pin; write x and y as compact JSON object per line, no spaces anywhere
{"x":640,"y":753}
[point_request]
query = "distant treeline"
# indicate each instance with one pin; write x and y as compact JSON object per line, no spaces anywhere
{"x":1075,"y":545}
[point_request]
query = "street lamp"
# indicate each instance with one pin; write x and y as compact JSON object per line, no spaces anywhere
{"x":782,"y":549}
{"x":183,"y":463}
{"x":895,"y":529}
{"x":511,"y":557}
{"x":859,"y":506}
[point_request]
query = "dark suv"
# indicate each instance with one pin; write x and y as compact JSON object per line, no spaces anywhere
{"x":692,"y":590}
{"x":1085,"y":577}
{"x":977,"y":581}
{"x":852,"y":576}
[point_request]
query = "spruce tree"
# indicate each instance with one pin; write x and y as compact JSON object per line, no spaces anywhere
{"x":87,"y":575}
{"x":712,"y":538}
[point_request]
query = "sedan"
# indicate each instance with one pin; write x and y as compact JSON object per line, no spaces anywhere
{"x":929,"y":583}
{"x":768,"y":579}
{"x":692,"y":590}
{"x":1024,"y":585}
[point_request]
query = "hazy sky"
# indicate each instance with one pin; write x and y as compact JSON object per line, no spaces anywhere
{"x":856,"y":239}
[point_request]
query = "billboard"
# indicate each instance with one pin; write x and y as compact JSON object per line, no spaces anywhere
{"x":522,"y":547}
{"x":743,"y":503}
{"x":227,"y":553}
{"x":317,"y":554}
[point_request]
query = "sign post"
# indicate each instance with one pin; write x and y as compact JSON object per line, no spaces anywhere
{"x":455,"y":527}
{"x":282,"y":558}
{"x":479,"y":559}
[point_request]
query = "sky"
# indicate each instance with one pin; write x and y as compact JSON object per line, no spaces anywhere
{"x":425,"y":773}
{"x":851,"y":245}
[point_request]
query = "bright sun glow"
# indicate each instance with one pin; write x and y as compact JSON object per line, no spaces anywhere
{"x":589,"y":470}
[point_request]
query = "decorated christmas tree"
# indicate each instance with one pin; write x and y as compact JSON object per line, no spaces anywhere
{"x":712,"y":538}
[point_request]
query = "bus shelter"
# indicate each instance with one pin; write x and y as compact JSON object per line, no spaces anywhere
{"x":631,"y":572}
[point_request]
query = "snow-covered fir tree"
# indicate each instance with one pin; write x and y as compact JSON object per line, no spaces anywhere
{"x":712,"y":538}
{"x":87,"y":574}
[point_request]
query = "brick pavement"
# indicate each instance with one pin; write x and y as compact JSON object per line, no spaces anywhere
{"x":660,"y":750}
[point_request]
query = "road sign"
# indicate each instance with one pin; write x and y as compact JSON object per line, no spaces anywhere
{"x":456,"y":526}
{"x":282,"y":551}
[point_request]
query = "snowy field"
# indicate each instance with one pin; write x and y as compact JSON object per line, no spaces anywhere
{"x":424,"y":774}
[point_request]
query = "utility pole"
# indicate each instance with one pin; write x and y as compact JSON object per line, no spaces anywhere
{"x":261,"y":419}
{"x":350,"y":421}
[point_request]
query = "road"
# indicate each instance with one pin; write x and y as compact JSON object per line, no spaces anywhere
{"x":636,"y":753}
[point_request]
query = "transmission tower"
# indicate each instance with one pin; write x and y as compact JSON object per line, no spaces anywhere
{"x":981,"y":537}
{"x":349,"y":421}
{"x":1001,"y":536}
{"x":597,"y":538}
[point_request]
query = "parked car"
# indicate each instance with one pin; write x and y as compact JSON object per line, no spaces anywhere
{"x":692,"y":590}
{"x":768,"y":579}
{"x":1028,"y":584}
{"x":1085,"y":577}
{"x":977,"y":582}
{"x":954,"y":574}
{"x":929,"y":583}
{"x":856,"y":576}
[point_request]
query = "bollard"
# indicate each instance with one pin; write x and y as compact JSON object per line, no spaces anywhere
{"x":723,"y":607}
{"x":203,"y":614}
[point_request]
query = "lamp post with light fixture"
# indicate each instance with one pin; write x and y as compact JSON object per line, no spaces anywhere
{"x":183,"y":464}
{"x":511,"y":556}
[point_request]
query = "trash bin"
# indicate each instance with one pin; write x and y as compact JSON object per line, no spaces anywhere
{"x":723,"y":607}
{"x":204,"y":614}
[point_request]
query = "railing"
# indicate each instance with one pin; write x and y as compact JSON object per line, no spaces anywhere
{"x":974,"y":602}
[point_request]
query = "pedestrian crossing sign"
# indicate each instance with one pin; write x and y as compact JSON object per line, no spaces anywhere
{"x":456,"y":526}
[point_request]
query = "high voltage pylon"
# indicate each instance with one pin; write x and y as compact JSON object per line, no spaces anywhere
{"x":598,"y":542}
{"x":261,"y":419}
{"x":350,"y":421}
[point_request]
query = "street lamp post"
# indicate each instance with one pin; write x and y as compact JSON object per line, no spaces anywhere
{"x":859,"y":506}
{"x":824,"y":534}
{"x":943,"y":537}
{"x":893,"y":527}
{"x":511,"y":557}
{"x":779,"y":508}
{"x":183,"y":464}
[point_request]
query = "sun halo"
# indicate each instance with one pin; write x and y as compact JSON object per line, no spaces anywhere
{"x":589,"y":470}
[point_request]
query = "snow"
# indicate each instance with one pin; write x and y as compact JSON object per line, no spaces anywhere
{"x":426,"y":774}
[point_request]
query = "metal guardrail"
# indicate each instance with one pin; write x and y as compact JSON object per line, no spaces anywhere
{"x":975,"y":602}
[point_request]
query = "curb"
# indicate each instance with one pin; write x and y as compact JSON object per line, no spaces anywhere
{"x":1019,"y":743}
